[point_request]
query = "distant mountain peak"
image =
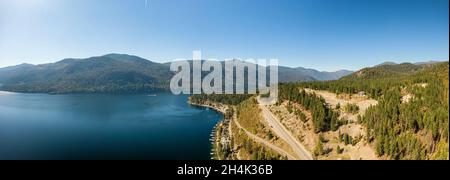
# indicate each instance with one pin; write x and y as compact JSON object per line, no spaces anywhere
{"x":126,"y":57}
{"x":291,"y":73}
{"x":387,"y":63}
{"x":428,"y":62}
{"x":115,"y":55}
{"x":68,"y":60}
{"x":25,"y":64}
{"x":343,"y":70}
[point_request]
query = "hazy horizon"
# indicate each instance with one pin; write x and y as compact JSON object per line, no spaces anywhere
{"x":327,"y":35}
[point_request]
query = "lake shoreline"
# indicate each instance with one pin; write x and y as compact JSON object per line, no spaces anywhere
{"x":216,"y":137}
{"x":221,"y":110}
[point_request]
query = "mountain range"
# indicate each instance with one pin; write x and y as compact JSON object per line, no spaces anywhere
{"x":122,"y":73}
{"x":391,"y":70}
{"x":389,"y":63}
{"x":116,"y":73}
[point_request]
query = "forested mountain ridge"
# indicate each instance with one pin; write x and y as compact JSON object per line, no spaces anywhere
{"x":115,"y":73}
{"x":108,"y":74}
{"x":389,"y":69}
{"x":411,"y":120}
{"x":417,"y":63}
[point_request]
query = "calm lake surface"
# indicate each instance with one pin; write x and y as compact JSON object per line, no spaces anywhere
{"x":161,"y":127}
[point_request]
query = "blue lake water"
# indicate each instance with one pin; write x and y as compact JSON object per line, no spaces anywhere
{"x":162,"y":127}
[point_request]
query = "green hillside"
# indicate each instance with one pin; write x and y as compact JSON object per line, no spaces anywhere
{"x":411,"y":120}
{"x":386,"y":70}
{"x":113,"y":73}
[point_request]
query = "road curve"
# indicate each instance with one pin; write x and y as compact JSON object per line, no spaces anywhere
{"x":284,"y":134}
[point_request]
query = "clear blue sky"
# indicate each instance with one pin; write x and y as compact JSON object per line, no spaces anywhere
{"x":321,"y":34}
